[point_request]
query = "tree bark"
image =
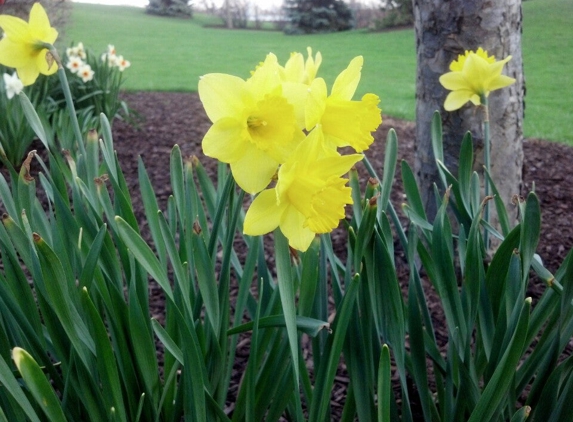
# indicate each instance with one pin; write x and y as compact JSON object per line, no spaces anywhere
{"x":445,"y":29}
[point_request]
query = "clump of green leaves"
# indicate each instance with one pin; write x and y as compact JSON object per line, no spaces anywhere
{"x":77,"y":341}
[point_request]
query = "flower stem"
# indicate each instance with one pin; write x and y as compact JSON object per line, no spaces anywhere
{"x":69,"y":101}
{"x":487,"y":155}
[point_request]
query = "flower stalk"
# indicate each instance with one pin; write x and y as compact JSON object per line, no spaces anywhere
{"x":69,"y":100}
{"x":487,"y":164}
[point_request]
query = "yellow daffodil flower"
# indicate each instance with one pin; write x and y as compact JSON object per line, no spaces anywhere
{"x":24,"y":45}
{"x":298,"y":70}
{"x":254,"y":128}
{"x":473,"y":76}
{"x":309,"y":197}
{"x":344,"y":122}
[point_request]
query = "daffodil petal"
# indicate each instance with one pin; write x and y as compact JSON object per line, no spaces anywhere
{"x":225,"y":140}
{"x":11,"y":54}
{"x":28,"y":74}
{"x":294,"y":68}
{"x":296,"y":94}
{"x":16,"y":27}
{"x":454,"y":81}
{"x":500,"y":82}
{"x":222,"y":95}
{"x":316,"y":103}
{"x":338,"y":165}
{"x":346,"y":83}
{"x":292,"y":225}
{"x":264,"y":214}
{"x":456,"y":99}
{"x":266,"y":78}
{"x":40,"y":22}
{"x":254,"y":170}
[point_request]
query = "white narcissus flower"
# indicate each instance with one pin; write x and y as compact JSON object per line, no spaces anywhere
{"x":13,"y":85}
{"x":110,"y":59}
{"x":75,"y":64}
{"x":86,"y":73}
{"x":122,"y":64}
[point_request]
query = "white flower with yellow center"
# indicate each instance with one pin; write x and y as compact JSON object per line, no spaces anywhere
{"x":74,"y":64}
{"x":86,"y":73}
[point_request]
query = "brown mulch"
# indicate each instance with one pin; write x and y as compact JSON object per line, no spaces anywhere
{"x":165,"y":119}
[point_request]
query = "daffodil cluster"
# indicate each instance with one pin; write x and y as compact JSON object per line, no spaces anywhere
{"x":114,"y":60}
{"x":473,"y":76}
{"x":282,"y":125}
{"x":77,"y":61}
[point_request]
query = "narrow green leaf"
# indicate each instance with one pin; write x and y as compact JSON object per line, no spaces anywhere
{"x":390,"y":161}
{"x":465,"y":171}
{"x":151,"y":207}
{"x":144,"y":255}
{"x":327,"y":370}
{"x":106,"y":362}
{"x":309,"y":326}
{"x":437,"y":139}
{"x":286,"y":288}
{"x":384,"y":385}
{"x":179,"y":269}
{"x":61,"y":301}
{"x":530,"y":231}
{"x":13,"y":388}
{"x":38,"y":385}
{"x":411,"y":190}
{"x":497,"y":386}
{"x":167,"y":341}
{"x":34,"y":120}
{"x":499,"y":206}
{"x":206,"y":279}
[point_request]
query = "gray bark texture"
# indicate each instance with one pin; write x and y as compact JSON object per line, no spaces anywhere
{"x":445,"y":29}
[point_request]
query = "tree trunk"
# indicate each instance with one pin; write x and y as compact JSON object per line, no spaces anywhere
{"x":445,"y":29}
{"x":228,"y":14}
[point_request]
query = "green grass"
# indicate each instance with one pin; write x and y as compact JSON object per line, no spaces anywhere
{"x":171,"y":54}
{"x":548,"y":66}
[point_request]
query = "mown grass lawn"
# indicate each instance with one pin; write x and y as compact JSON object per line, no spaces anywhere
{"x":171,"y":55}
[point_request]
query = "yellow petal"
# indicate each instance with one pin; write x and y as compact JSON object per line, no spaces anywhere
{"x":456,"y":99}
{"x":350,"y":123}
{"x":346,"y":83}
{"x":39,"y":24}
{"x":15,"y":28}
{"x":316,"y":103}
{"x":264,"y":214}
{"x":296,"y":94}
{"x":337,"y":166}
{"x":28,"y":74}
{"x":292,"y":225}
{"x":222,"y":95}
{"x":225,"y":140}
{"x":294,"y":68}
{"x":265,"y":78}
{"x":454,"y":80}
{"x":11,"y":54}
{"x":254,"y":170}
{"x":500,"y":82}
